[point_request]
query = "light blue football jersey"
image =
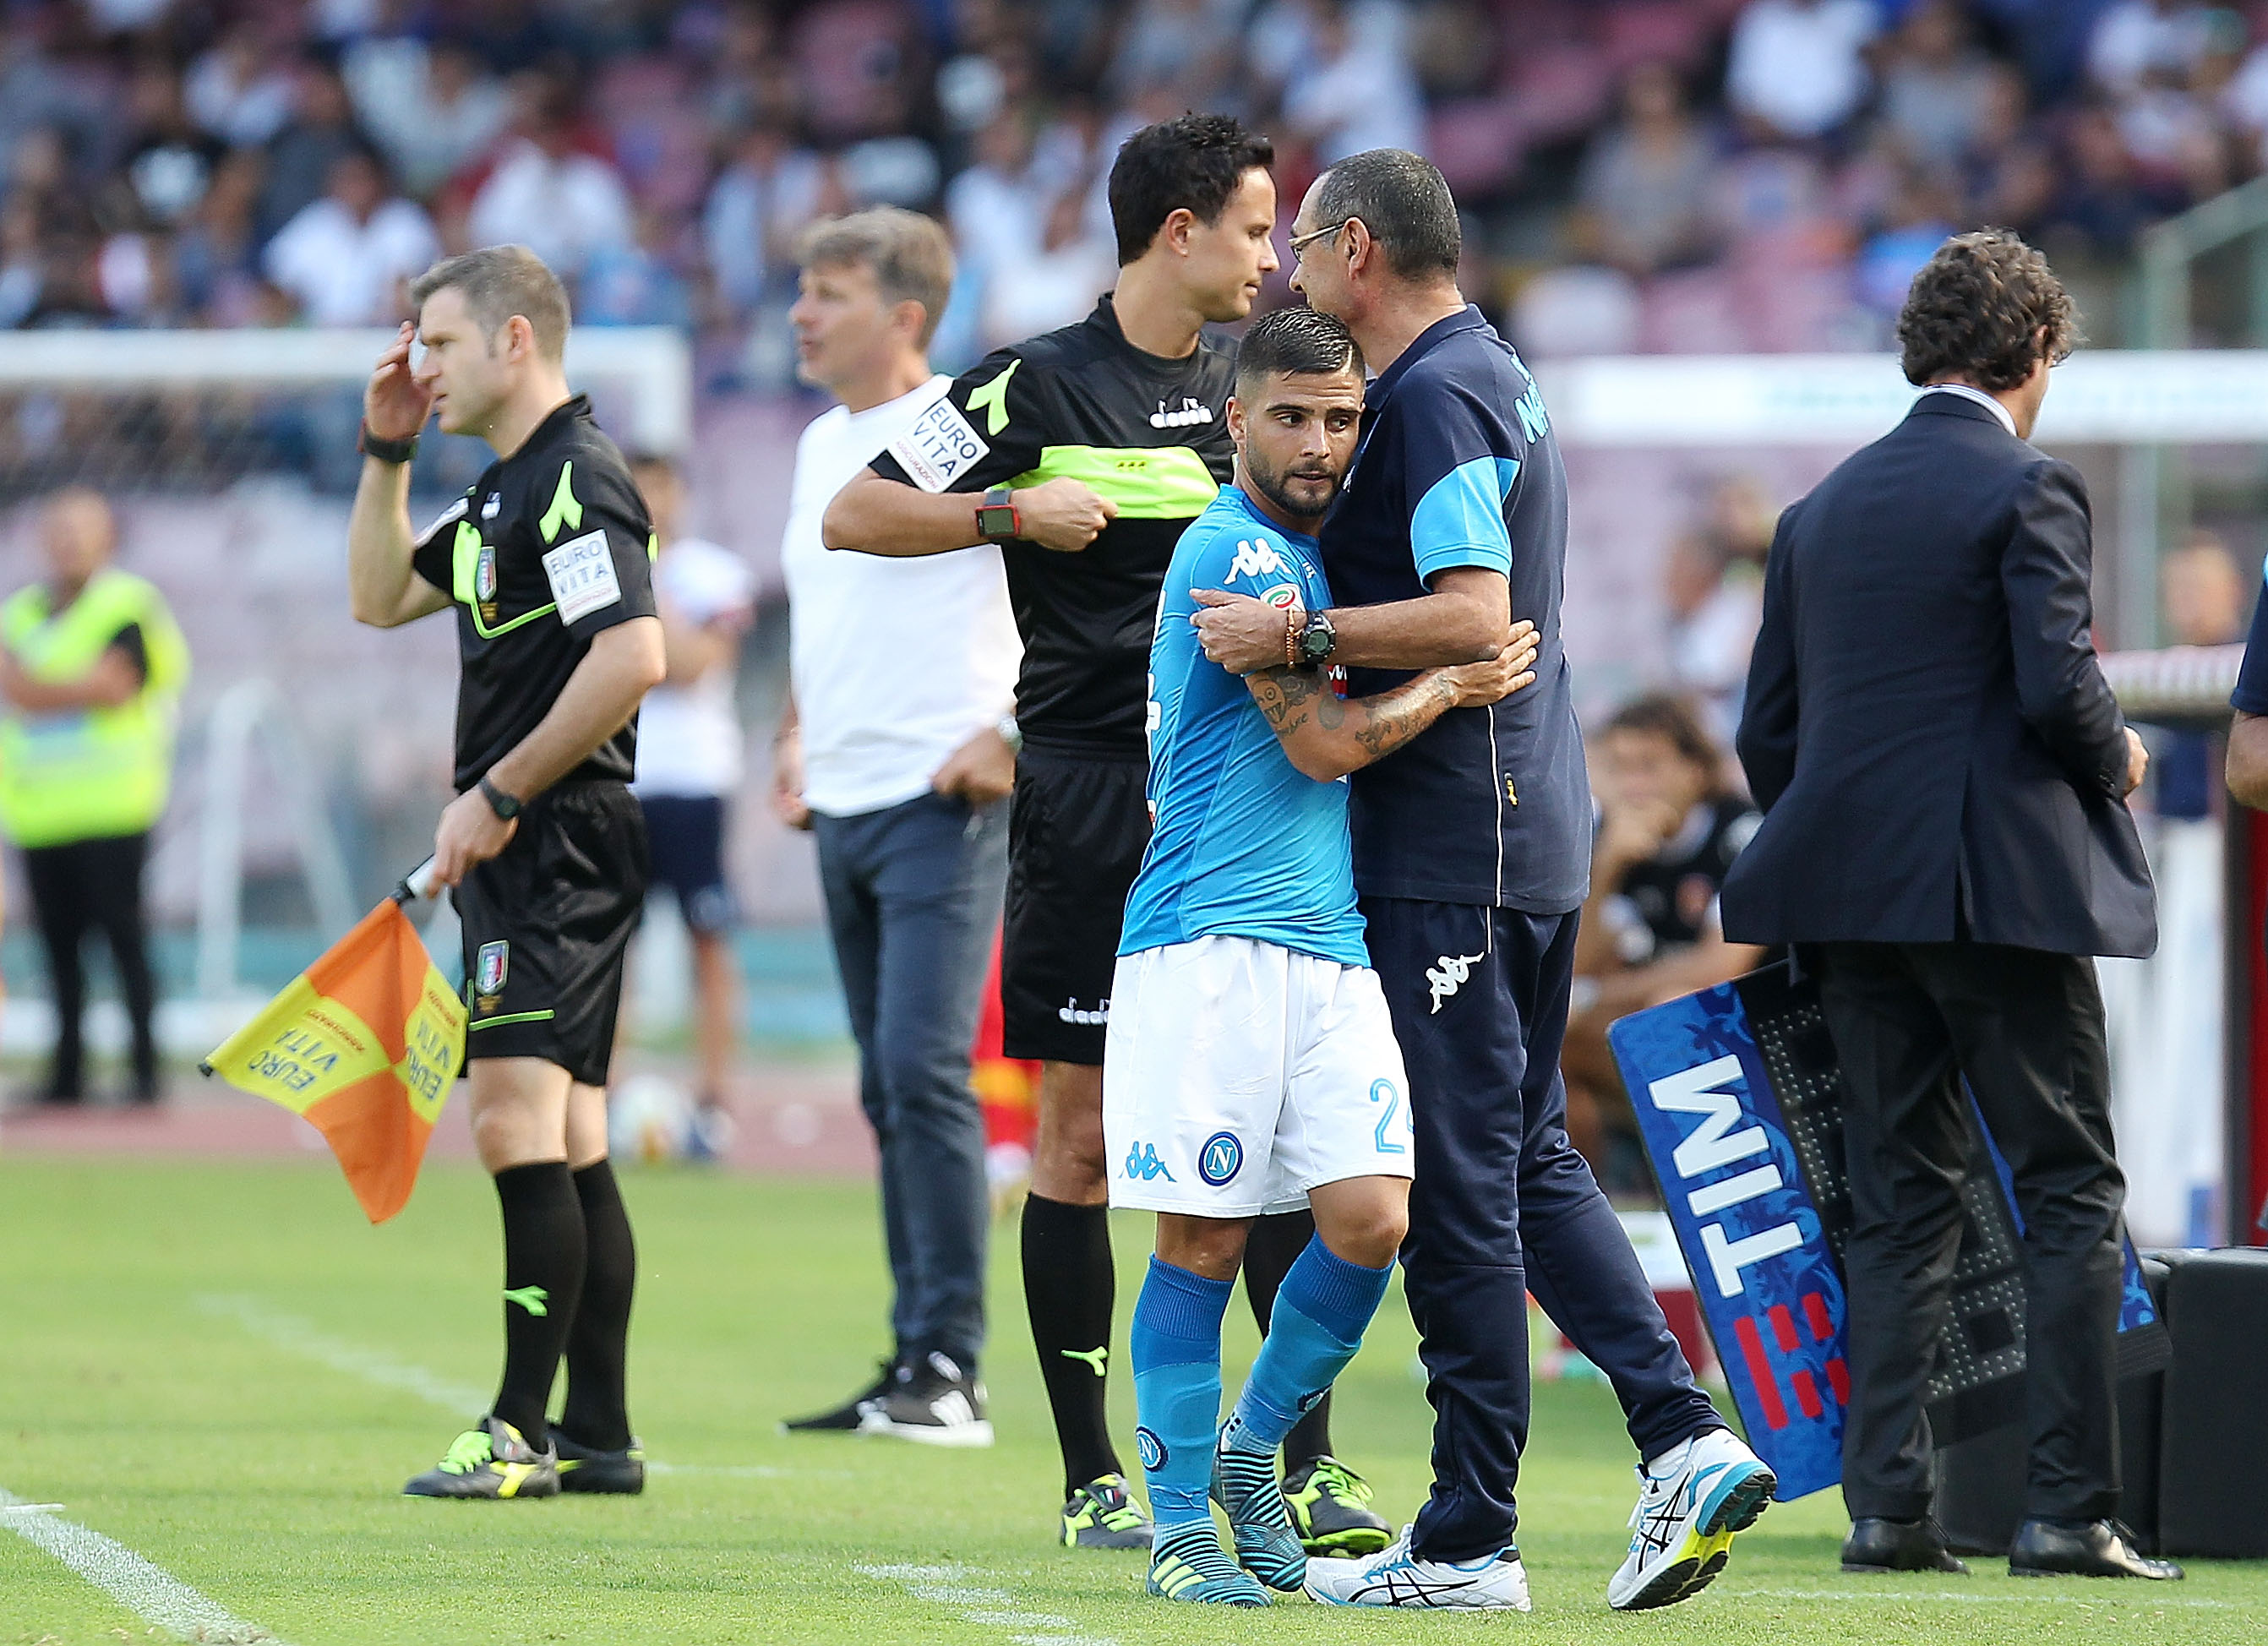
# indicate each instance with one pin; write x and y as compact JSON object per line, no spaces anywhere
{"x":1243,"y":846}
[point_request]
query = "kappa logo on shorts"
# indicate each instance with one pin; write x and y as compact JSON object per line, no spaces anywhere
{"x":1220,"y":1159}
{"x":1446,"y":976}
{"x":490,"y":967}
{"x":1149,"y":1448}
{"x":1142,"y":1162}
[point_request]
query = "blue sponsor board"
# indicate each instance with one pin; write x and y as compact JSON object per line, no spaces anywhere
{"x":1762,"y":1270}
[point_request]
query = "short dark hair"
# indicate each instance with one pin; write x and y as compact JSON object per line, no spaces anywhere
{"x":498,"y":282}
{"x":1663,"y":715}
{"x":1404,"y":202}
{"x":910,"y":256}
{"x":1298,"y":341}
{"x":1193,"y":162}
{"x":1978,"y":308}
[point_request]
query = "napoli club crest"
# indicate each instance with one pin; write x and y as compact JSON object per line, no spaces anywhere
{"x":1220,"y":1159}
{"x":1149,"y":1449}
{"x":490,"y":968}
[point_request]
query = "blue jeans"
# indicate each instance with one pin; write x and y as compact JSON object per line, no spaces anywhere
{"x":913,"y":901}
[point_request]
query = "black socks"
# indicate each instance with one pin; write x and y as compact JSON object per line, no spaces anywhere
{"x":543,"y":1270}
{"x":596,"y":1414}
{"x":1269,"y":1251}
{"x":1069,"y":1289}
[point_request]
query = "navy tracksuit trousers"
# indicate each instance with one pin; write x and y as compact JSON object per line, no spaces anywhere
{"x":1502,"y":1206}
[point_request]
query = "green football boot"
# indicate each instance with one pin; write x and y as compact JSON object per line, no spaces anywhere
{"x":1103,"y":1515}
{"x":587,"y":1469}
{"x":493,"y":1460}
{"x":1331,"y":1512}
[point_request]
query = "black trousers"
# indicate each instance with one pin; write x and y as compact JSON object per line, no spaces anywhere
{"x":95,"y":885}
{"x":2026,"y":1028}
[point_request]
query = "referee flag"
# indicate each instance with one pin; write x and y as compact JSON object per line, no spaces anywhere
{"x":364,"y":1044}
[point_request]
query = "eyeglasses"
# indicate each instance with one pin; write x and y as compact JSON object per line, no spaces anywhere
{"x":1299,"y":243}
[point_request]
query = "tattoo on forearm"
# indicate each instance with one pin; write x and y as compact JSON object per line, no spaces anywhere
{"x":1283,"y":696}
{"x":1394,"y":718}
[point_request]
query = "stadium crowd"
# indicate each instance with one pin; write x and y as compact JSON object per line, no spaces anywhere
{"x":1649,"y":174}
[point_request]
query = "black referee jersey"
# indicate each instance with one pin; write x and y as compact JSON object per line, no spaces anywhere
{"x":550,"y":546}
{"x":1151,"y":435}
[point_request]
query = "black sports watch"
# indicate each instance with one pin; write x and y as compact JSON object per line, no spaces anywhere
{"x":995,"y":516}
{"x":395,"y":451}
{"x":505,"y":806}
{"x":1317,"y":639}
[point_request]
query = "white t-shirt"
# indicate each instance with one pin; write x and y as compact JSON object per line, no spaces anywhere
{"x":896,"y":663}
{"x":688,"y":741}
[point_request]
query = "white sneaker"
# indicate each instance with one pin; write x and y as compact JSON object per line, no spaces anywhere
{"x":1394,"y":1578}
{"x":1690,"y":1502}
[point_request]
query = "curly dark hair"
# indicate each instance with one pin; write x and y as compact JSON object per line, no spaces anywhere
{"x":1978,"y":309}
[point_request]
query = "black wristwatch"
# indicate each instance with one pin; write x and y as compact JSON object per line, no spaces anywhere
{"x":1317,"y":639}
{"x":384,"y":450}
{"x":995,"y":516}
{"x":505,"y":806}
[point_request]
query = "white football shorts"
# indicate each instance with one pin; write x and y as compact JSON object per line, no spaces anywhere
{"x":1238,"y":1075}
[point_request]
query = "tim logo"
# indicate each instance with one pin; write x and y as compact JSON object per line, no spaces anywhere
{"x":1221,"y":1159}
{"x":1188,"y":414}
{"x":1255,"y":558}
{"x":1143,"y":1165}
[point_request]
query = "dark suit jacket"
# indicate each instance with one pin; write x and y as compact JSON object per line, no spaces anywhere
{"x":1926,"y":727}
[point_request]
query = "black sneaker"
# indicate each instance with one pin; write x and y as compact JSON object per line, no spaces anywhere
{"x":934,"y":1402}
{"x":846,"y":1418}
{"x":493,"y":1460}
{"x":587,"y":1469}
{"x":1103,"y":1515}
{"x":1330,"y":1509}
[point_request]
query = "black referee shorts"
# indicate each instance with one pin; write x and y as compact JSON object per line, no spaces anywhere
{"x":1077,"y":829}
{"x":547,"y":922}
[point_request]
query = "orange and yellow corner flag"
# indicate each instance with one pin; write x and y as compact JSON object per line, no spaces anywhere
{"x":366,"y":1044}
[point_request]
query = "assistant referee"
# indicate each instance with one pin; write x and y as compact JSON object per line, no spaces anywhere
{"x":546,"y":560}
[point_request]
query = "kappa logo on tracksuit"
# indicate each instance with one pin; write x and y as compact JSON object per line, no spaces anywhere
{"x":1446,"y":976}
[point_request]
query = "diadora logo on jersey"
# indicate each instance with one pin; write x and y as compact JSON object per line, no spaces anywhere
{"x":493,"y":507}
{"x":1283,"y":597}
{"x":1446,"y":976}
{"x":993,"y":399}
{"x":1071,"y":1012}
{"x":1142,"y":1162}
{"x":1220,"y":1159}
{"x":490,"y":967}
{"x":941,"y":447}
{"x":1188,"y":414}
{"x":1255,"y":557}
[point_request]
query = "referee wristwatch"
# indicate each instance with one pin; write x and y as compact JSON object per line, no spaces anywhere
{"x":997,"y":520}
{"x":1316,"y":640}
{"x":385,"y":450}
{"x":505,"y":806}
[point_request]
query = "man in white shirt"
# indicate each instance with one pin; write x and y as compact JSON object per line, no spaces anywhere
{"x":689,"y":765}
{"x":1798,"y":68}
{"x":345,"y":259}
{"x":898,"y":750}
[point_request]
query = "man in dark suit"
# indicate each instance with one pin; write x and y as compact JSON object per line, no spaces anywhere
{"x":1943,"y":773}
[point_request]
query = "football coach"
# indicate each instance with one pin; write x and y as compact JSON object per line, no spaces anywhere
{"x":1944,"y":776}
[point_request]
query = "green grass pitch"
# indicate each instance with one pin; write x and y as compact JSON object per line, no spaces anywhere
{"x":222,"y":1368}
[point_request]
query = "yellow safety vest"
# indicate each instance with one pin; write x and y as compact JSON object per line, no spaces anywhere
{"x":89,"y":774}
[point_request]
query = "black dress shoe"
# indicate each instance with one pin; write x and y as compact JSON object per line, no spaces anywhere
{"x":1897,"y":1546}
{"x":2103,"y":1548}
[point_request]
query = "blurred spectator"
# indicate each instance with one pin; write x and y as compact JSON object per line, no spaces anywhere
{"x":1920,"y":217}
{"x":431,"y":106}
{"x":1669,"y":829}
{"x":2207,"y":603}
{"x":216,"y":256}
{"x":634,"y":284}
{"x":2139,"y":38}
{"x":167,"y":162}
{"x":300,"y":155}
{"x":1645,"y":183}
{"x":1182,"y":53}
{"x":239,"y":90}
{"x":1054,"y":285}
{"x":1798,"y":68}
{"x":758,"y":206}
{"x":2102,"y":199}
{"x":1937,"y":91}
{"x":1347,"y":93}
{"x":547,"y":191}
{"x":1715,"y":603}
{"x":345,"y":259}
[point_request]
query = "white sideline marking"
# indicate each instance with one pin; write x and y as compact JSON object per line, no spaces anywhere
{"x":993,"y":1608}
{"x":289,"y":1332}
{"x":2094,"y":1599}
{"x":149,"y":1591}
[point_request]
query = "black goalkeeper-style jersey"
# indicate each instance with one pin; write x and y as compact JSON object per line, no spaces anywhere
{"x":1152,"y":435}
{"x":551,"y":545}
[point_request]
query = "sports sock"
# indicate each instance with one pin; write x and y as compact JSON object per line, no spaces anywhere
{"x":596,"y":1414}
{"x":1176,"y":1353}
{"x":1320,"y":1312}
{"x":1068,"y":1289}
{"x":544,"y":1263}
{"x":1273,"y":1246}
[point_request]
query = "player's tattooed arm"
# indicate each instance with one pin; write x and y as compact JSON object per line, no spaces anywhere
{"x":1326,"y":735}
